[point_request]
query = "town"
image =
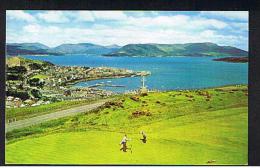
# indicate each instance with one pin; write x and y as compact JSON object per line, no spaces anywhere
{"x":32,"y":83}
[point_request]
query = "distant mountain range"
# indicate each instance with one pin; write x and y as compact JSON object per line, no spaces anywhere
{"x":188,"y":49}
{"x":28,"y":49}
{"x":84,"y":48}
{"x":14,"y":49}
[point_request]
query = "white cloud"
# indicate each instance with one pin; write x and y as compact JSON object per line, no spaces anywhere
{"x":34,"y":28}
{"x":160,"y":21}
{"x":53,"y":17}
{"x":109,"y":15}
{"x":20,"y":15}
{"x":106,"y":35}
{"x":129,"y":29}
{"x":37,"y":29}
{"x":240,"y":26}
{"x":207,"y":33}
{"x":85,"y":16}
{"x":79,"y":16}
{"x":89,"y":16}
{"x":177,"y":22}
{"x":232,"y":15}
{"x":207,"y":23}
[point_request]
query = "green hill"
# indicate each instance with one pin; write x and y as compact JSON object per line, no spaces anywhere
{"x":188,"y":49}
{"x":14,"y":49}
{"x":20,"y":61}
{"x":197,"y":127}
{"x":83,"y":48}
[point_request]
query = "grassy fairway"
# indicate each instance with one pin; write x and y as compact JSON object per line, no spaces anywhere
{"x":180,"y":130}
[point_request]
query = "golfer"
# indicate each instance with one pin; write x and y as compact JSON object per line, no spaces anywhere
{"x":123,"y":143}
{"x":144,"y":137}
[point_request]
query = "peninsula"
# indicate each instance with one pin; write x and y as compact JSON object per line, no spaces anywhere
{"x":34,"y":82}
{"x":233,"y":59}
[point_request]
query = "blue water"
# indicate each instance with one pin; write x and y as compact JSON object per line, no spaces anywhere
{"x":168,"y":73}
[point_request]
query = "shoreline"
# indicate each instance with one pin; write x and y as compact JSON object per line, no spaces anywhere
{"x":204,"y":88}
{"x":101,"y":55}
{"x":210,"y":87}
{"x":233,"y":59}
{"x":191,"y":89}
{"x":93,"y":79}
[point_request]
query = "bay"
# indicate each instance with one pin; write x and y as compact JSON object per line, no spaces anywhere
{"x":167,"y":73}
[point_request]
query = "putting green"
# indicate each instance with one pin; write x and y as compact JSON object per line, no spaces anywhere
{"x":219,"y":136}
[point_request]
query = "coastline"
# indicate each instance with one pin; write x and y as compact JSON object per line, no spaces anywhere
{"x":115,"y":56}
{"x":203,"y":88}
{"x":233,"y":59}
{"x":93,"y":79}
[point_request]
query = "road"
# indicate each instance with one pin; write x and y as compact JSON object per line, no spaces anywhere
{"x":54,"y":115}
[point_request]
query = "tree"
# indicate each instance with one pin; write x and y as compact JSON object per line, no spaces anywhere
{"x":35,"y":66}
{"x":15,"y":73}
{"x":17,"y":69}
{"x":36,"y":82}
{"x":22,"y":95}
{"x":36,"y":93}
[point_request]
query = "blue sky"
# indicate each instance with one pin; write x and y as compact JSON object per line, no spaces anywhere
{"x":53,"y":28}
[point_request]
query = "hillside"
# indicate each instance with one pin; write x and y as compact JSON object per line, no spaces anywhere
{"x":188,"y":49}
{"x":83,"y":48}
{"x":20,"y":61}
{"x":196,"y":127}
{"x":14,"y":49}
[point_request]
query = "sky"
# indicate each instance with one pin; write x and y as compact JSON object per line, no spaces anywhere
{"x":53,"y":28}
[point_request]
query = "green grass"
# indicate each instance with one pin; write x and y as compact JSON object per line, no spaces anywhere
{"x":190,"y":143}
{"x":27,"y":112}
{"x":40,"y":76}
{"x":179,"y":132}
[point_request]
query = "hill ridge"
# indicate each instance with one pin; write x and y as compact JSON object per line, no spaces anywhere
{"x":187,"y":49}
{"x":141,"y":49}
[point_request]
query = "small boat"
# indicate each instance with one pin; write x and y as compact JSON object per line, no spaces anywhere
{"x":114,"y":85}
{"x":95,"y":85}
